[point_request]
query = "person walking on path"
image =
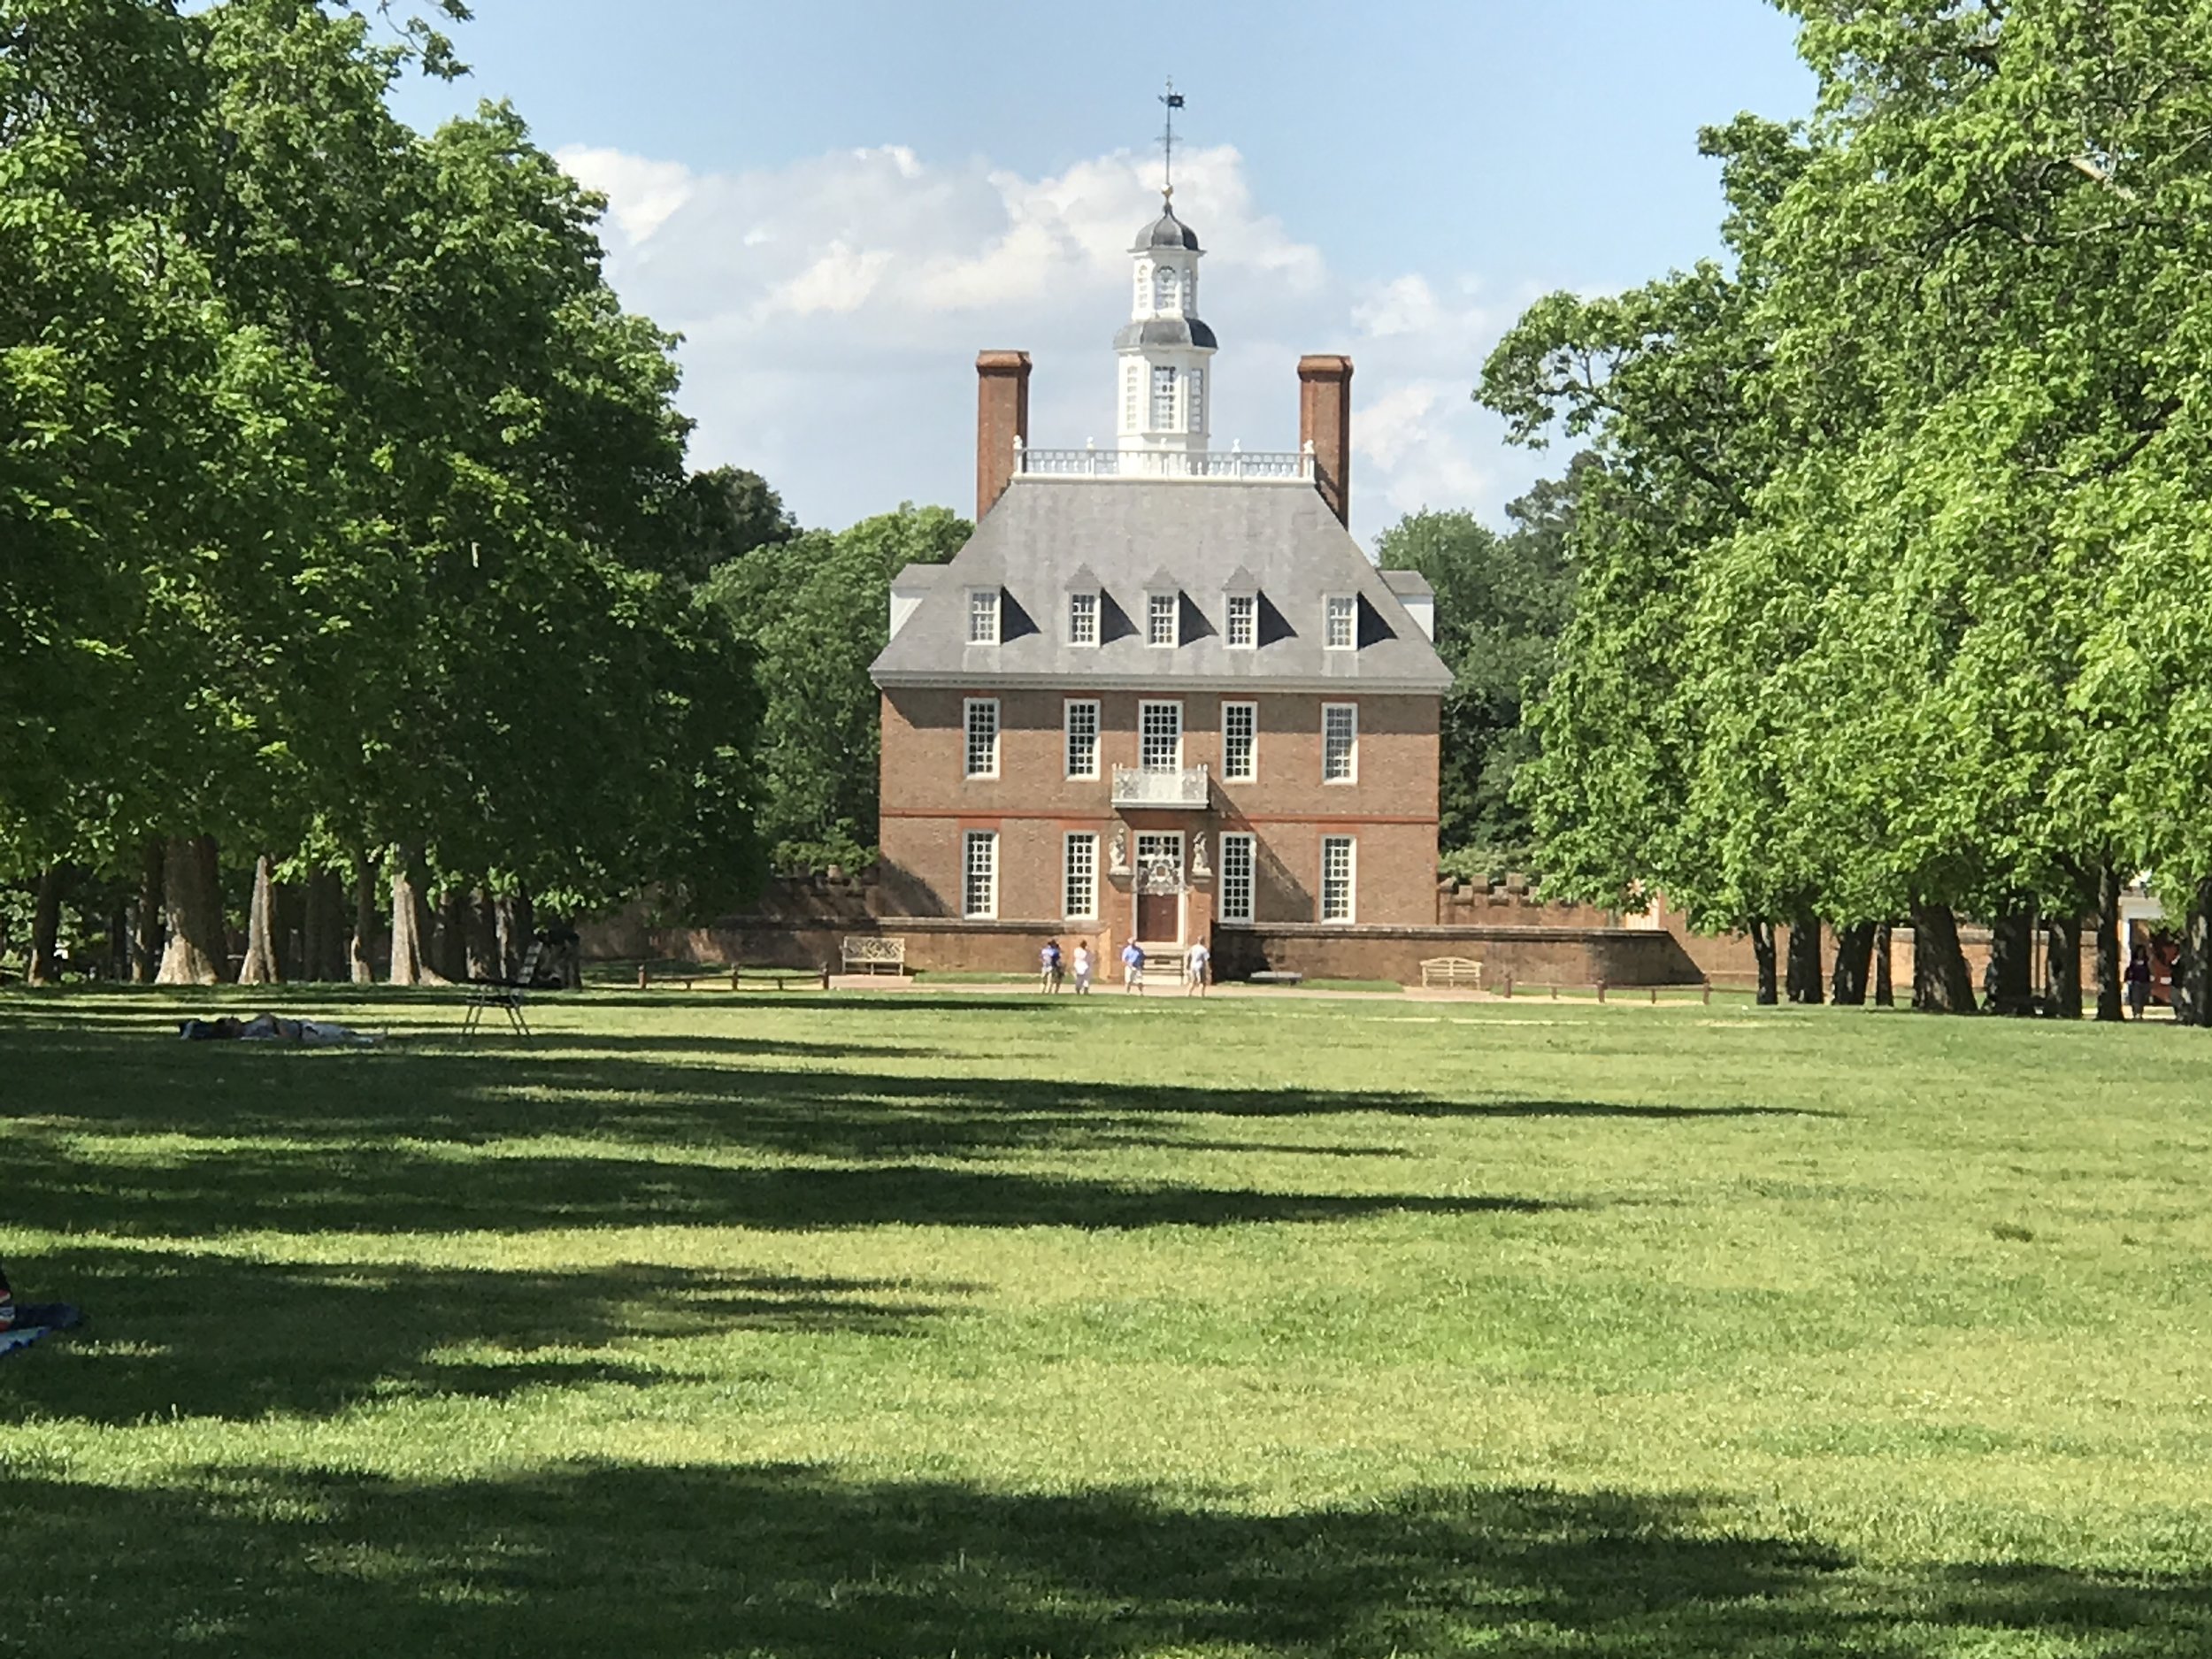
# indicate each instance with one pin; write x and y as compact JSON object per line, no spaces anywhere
{"x":1133,"y":968}
{"x":1082,"y":967}
{"x":1194,"y":967}
{"x":1049,"y":966}
{"x":2139,"y":978}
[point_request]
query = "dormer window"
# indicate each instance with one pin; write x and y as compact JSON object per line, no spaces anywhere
{"x":1243,"y":632}
{"x":1083,"y":618}
{"x":1165,"y":287}
{"x":1341,"y":630}
{"x":983,"y":616}
{"x":1160,"y":618}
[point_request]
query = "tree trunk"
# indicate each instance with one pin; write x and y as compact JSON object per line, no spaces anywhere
{"x":46,"y":924}
{"x":1855,"y":956}
{"x":410,"y":922}
{"x":1940,"y":983}
{"x":2062,"y":967}
{"x":483,"y":939}
{"x":2108,"y":943}
{"x":451,"y":955}
{"x":198,"y":952}
{"x":290,"y":912}
{"x":517,"y":925}
{"x":2193,"y":1004}
{"x":2011,"y":963}
{"x":361,"y":954}
{"x":1762,"y":952}
{"x":1884,"y":983}
{"x":118,"y":963}
{"x":322,"y":948}
{"x":261,"y":966}
{"x":1803,"y":984}
{"x":146,"y":941}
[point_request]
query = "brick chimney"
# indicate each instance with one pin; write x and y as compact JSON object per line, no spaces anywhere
{"x":1002,"y":415}
{"x":1325,"y":421}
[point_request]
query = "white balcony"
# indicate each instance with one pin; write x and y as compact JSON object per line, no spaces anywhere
{"x":1187,"y":788}
{"x":1294,"y":465}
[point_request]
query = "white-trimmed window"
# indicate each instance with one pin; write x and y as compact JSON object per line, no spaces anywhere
{"x":982,"y":721}
{"x":1131,"y":396}
{"x":1164,"y":288}
{"x":1195,"y":400}
{"x":1236,"y":878}
{"x":1341,"y":631}
{"x":1339,"y":743}
{"x":1160,"y":736}
{"x":1160,"y":615}
{"x":983,"y":616}
{"x":1239,"y":742}
{"x":1339,"y":877}
{"x":1083,"y":618}
{"x":979,"y":878}
{"x":1078,"y":901}
{"x":1081,"y":719}
{"x":1144,"y":283}
{"x":1163,"y":400}
{"x":1244,"y":621}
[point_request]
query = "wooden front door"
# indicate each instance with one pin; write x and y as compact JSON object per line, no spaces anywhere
{"x":1159,"y":918}
{"x":1160,"y":887}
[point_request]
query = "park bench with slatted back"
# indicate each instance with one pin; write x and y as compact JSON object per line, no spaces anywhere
{"x":505,"y":994}
{"x":1452,"y":972}
{"x":872,"y":952}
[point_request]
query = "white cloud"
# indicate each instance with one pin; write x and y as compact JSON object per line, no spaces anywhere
{"x":832,"y":310}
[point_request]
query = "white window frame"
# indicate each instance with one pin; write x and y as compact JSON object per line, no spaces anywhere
{"x":1162,"y":398}
{"x":1242,"y":608}
{"x":1251,"y":773}
{"x":1193,"y":400}
{"x":1234,"y":844}
{"x":1350,"y":710}
{"x":983,"y":869}
{"x":1350,"y":898}
{"x":1078,"y":862}
{"x":1342,"y":608}
{"x":1152,"y":615}
{"x":1132,"y":397}
{"x":1069,"y":712}
{"x":983,"y":609}
{"x":1078,"y":614}
{"x":988,"y":709}
{"x":1144,"y":715}
{"x":1167,"y":288}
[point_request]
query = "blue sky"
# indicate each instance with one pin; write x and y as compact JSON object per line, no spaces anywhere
{"x":839,"y":203}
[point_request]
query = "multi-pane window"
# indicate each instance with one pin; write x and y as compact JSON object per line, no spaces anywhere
{"x":983,"y":616}
{"x":1163,"y":400}
{"x":1236,"y":878}
{"x":1337,"y":866}
{"x":1082,"y":731}
{"x":1160,"y":736}
{"x":1082,"y":618}
{"x":979,"y":884}
{"x":1239,"y":741}
{"x":1164,"y":288}
{"x":1079,"y":889}
{"x":1159,"y":618}
{"x":1131,"y":396}
{"x":982,"y":737}
{"x":1339,"y":743}
{"x":1244,"y":620}
{"x":1144,"y":281}
{"x":1342,"y":632}
{"x":1195,"y":400}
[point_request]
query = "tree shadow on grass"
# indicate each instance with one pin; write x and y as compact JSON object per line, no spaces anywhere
{"x":797,"y":1563}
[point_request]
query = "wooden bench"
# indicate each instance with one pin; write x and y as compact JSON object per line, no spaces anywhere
{"x":1277,"y":976}
{"x":1454,"y":973}
{"x":871,"y":951}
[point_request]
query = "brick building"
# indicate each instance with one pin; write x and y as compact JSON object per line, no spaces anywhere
{"x":1161,"y":692}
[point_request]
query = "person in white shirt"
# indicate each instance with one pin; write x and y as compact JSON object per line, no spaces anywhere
{"x":1083,"y":968}
{"x":1194,"y":967}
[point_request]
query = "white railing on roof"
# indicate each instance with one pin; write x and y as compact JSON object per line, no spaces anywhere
{"x":1092,"y":462}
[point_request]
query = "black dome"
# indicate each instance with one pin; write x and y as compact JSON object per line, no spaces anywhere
{"x":1167,"y":231}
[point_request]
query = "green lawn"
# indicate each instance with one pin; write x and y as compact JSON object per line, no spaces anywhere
{"x":991,"y":1325}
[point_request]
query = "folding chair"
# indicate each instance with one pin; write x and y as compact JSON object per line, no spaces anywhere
{"x":506,"y":994}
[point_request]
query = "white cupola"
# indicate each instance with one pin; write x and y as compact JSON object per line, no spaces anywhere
{"x":1161,"y":357}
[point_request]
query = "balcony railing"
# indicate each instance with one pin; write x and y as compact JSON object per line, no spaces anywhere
{"x":1162,"y":464}
{"x":1189,"y":787}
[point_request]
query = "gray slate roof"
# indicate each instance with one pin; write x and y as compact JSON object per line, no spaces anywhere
{"x":1119,"y":533}
{"x":1165,"y":331}
{"x":1167,"y":231}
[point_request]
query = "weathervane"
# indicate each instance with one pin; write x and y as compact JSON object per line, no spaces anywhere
{"x":1174,"y":102}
